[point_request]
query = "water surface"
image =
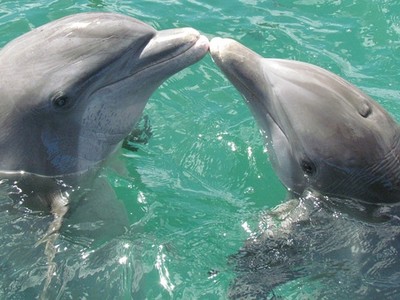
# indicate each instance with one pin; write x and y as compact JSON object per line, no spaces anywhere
{"x":196,"y":191}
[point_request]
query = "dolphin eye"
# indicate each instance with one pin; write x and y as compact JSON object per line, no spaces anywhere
{"x":60,"y":100}
{"x":308,"y":167}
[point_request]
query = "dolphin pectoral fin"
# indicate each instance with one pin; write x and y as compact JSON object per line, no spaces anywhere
{"x":59,"y":208}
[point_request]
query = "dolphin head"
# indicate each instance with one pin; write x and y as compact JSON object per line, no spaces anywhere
{"x":72,"y":89}
{"x":322,"y":133}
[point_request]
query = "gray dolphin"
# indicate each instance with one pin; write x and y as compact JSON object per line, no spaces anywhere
{"x":71,"y":90}
{"x":338,"y":152}
{"x":321,"y":132}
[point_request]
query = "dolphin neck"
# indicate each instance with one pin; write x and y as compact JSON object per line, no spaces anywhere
{"x":351,"y":208}
{"x":37,"y":192}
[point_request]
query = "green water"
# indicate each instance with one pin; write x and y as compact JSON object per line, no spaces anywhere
{"x":195,"y":191}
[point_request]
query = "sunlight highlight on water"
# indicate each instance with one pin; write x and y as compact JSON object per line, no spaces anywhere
{"x":160,"y":265}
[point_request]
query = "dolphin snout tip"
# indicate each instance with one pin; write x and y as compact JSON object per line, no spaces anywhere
{"x":215,"y":44}
{"x":214,"y":47}
{"x":226,"y":51}
{"x":221,"y":48}
{"x":203,"y":42}
{"x":216,"y":40}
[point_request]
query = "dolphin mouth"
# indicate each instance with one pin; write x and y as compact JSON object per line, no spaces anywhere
{"x":234,"y":61}
{"x":176,"y":48}
{"x":174,"y":43}
{"x":138,"y":72}
{"x":185,"y":46}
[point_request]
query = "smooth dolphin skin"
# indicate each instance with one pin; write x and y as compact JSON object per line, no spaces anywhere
{"x":71,"y":90}
{"x":322,"y":133}
{"x":337,"y":151}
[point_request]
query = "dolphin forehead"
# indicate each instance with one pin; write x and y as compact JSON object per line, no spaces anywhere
{"x":325,"y":115}
{"x":70,"y":49}
{"x":73,"y":37}
{"x":84,"y":26}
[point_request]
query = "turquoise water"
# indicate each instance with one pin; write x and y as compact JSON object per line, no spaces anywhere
{"x":196,"y":190}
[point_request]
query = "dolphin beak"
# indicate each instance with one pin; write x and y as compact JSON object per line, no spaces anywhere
{"x":183,"y":44}
{"x":240,"y":65}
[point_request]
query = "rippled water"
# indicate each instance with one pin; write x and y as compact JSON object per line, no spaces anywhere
{"x":197,"y":190}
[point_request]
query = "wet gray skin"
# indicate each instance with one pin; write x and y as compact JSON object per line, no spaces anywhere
{"x":71,"y":90}
{"x":324,"y":136}
{"x":322,"y":133}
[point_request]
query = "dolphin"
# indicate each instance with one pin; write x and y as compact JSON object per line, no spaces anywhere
{"x":73,"y":89}
{"x":70,"y":92}
{"x":321,"y":132}
{"x":337,"y":152}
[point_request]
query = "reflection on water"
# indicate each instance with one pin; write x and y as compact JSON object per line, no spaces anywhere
{"x":316,"y":247}
{"x":162,"y":268}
